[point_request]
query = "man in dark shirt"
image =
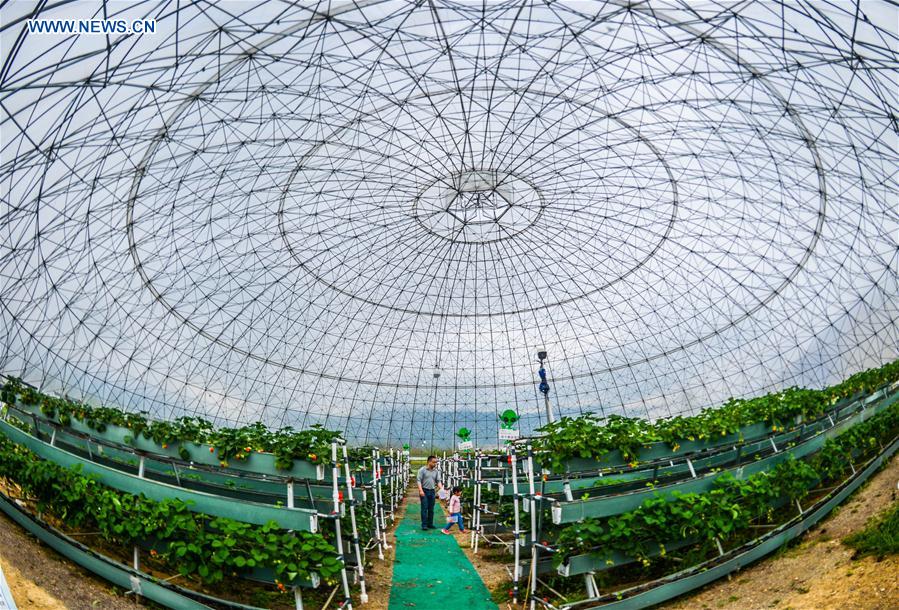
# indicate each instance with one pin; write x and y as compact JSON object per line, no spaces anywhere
{"x":428,"y":483}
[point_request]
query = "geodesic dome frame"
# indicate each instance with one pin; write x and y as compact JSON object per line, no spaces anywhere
{"x":372,"y":215}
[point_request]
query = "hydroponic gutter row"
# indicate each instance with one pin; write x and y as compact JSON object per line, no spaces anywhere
{"x":576,"y":510}
{"x":139,"y":583}
{"x":677,"y":584}
{"x":200,"y":502}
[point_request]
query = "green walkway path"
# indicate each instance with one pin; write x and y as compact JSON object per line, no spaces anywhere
{"x":430,"y":571}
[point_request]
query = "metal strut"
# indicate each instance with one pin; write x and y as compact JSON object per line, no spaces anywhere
{"x":516,"y":576}
{"x":351,"y":502}
{"x":335,"y":494}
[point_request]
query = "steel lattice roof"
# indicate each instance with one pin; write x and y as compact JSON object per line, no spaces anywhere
{"x":371,"y":215}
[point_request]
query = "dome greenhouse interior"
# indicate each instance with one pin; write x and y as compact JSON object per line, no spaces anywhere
{"x":373,"y":215}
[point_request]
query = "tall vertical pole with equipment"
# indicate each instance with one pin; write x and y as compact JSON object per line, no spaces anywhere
{"x":544,"y":386}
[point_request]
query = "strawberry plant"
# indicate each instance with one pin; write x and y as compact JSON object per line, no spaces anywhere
{"x":591,"y":437}
{"x":195,"y":545}
{"x":732,"y":505}
{"x":286,"y":444}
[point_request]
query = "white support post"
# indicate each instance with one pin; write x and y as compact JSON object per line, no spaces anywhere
{"x":776,"y":450}
{"x":590,"y":583}
{"x":391,"y":472}
{"x":476,"y":512}
{"x":516,"y":575}
{"x":690,"y":466}
{"x":335,"y":495}
{"x":394,"y":471}
{"x":297,"y":594}
{"x":135,"y":581}
{"x":474,"y":506}
{"x":360,"y":567}
{"x":381,"y":504}
{"x":534,"y":550}
{"x":140,"y":467}
{"x":375,"y":487}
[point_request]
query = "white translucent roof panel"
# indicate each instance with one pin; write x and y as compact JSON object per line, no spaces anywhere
{"x":372,"y":215}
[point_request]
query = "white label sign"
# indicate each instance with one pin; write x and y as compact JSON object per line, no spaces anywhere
{"x":506,"y":434}
{"x":465,"y":445}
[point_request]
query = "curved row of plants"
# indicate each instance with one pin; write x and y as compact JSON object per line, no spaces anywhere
{"x":197,"y":546}
{"x":591,"y":437}
{"x":286,"y":444}
{"x":727,"y":511}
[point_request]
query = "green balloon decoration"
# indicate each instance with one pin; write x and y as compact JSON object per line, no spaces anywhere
{"x":509,"y":418}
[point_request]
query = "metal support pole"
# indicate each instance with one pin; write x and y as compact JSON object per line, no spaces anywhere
{"x":298,"y":598}
{"x":534,"y":550}
{"x":544,"y":386}
{"x":335,"y":493}
{"x":381,"y":503}
{"x":376,"y":502}
{"x":360,"y":567}
{"x":590,"y":582}
{"x":376,"y":485}
{"x":476,"y":511}
{"x":516,"y":573}
{"x":297,"y":594}
{"x":393,"y":473}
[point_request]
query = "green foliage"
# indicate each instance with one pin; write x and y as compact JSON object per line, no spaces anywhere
{"x":192,"y":544}
{"x":591,"y":437}
{"x":287,"y":445}
{"x":732,"y":504}
{"x":729,"y":507}
{"x":880,"y":536}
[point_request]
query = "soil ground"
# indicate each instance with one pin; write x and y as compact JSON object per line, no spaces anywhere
{"x":378,"y":579}
{"x":40,"y":578}
{"x":490,"y":562}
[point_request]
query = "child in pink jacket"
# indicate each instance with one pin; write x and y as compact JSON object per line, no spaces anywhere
{"x":454,"y":508}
